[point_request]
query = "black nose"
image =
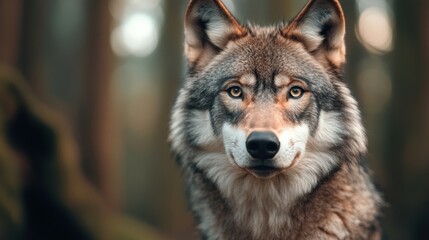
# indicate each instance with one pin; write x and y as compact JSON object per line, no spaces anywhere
{"x":262,"y":145}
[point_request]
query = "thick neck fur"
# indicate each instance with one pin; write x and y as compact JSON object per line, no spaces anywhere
{"x":239,"y":206}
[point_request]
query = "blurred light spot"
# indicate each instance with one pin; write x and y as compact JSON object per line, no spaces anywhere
{"x":140,"y":34}
{"x":137,"y":35}
{"x":375,"y":31}
{"x":374,"y":84}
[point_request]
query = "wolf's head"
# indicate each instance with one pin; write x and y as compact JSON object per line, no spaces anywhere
{"x":270,"y":99}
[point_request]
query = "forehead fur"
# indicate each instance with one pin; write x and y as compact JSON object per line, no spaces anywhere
{"x":266,"y":53}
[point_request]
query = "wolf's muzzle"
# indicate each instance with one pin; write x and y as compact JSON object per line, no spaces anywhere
{"x":262,"y":145}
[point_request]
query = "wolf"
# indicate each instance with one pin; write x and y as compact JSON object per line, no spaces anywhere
{"x":266,"y":132}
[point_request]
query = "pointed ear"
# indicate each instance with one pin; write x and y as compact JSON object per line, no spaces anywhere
{"x":320,"y":26}
{"x":209,"y":26}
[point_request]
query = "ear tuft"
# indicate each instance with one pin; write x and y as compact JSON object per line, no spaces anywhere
{"x":320,"y":26}
{"x":209,"y":27}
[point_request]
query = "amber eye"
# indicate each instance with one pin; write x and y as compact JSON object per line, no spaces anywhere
{"x":296,"y":92}
{"x":235,"y":92}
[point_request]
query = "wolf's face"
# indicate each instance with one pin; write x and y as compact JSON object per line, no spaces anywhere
{"x":265,"y":97}
{"x":269,"y":133}
{"x":268,"y":104}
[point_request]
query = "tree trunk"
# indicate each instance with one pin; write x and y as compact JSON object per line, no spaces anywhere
{"x":99,"y":139}
{"x":10,"y":15}
{"x":406,"y":154}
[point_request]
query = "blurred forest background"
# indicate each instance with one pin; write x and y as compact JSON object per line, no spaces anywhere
{"x":86,"y":89}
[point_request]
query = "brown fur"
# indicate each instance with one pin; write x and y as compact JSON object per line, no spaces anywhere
{"x":320,"y":189}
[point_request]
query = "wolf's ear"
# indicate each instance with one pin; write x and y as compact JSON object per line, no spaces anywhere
{"x":209,"y":26}
{"x":320,"y":26}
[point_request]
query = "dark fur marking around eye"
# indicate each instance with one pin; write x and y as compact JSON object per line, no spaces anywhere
{"x":220,"y":109}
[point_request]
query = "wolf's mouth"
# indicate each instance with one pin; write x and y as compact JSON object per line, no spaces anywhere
{"x":263,"y":171}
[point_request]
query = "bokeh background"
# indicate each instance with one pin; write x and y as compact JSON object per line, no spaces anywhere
{"x":86,"y":89}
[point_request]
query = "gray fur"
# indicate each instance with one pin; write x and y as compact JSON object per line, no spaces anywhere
{"x":326,"y":193}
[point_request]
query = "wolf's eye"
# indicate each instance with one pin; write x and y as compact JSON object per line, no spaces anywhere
{"x":296,"y":92}
{"x":235,"y":92}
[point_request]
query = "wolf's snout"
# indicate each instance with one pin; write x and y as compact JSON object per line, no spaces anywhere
{"x":262,"y":145}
